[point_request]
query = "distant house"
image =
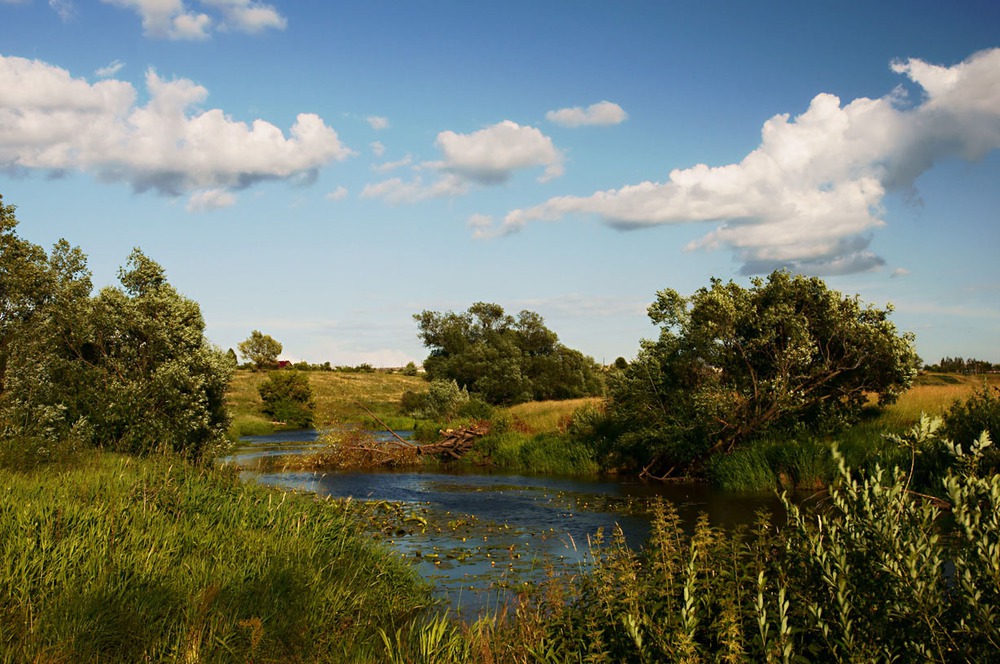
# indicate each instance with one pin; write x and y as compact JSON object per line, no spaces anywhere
{"x":284,"y":364}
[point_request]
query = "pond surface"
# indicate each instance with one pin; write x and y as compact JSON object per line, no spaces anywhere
{"x":481,"y":535}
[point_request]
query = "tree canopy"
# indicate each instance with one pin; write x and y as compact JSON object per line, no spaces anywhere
{"x":128,"y":369}
{"x":503,"y":359}
{"x":261,"y":349}
{"x":732,"y":363}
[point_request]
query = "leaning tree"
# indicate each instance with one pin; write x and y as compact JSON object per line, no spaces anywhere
{"x":732,"y":363}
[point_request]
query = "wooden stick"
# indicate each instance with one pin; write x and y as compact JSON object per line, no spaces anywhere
{"x":379,"y":420}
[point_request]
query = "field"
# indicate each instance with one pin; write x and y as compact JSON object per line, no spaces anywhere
{"x":337,"y":395}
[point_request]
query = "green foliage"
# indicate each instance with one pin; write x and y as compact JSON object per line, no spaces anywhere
{"x":261,"y":349}
{"x":872,"y":574}
{"x":288,"y":398}
{"x":126,"y":560}
{"x":549,"y":453}
{"x":965,"y":420}
{"x":731,"y":364}
{"x":504,"y":360}
{"x":128,"y":369}
{"x":410,"y":369}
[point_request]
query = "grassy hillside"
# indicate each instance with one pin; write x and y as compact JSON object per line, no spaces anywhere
{"x":337,"y":395}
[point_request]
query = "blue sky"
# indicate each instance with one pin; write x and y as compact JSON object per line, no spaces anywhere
{"x":321,"y":171}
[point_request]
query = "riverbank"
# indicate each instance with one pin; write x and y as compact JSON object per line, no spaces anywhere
{"x":120,"y":559}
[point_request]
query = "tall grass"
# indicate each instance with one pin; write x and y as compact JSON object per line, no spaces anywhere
{"x":552,"y":453}
{"x":549,"y":416}
{"x":870,"y":575}
{"x":125,"y":560}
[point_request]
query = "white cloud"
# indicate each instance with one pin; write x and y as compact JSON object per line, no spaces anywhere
{"x":491,"y":155}
{"x":397,"y":192}
{"x":172,"y":19}
{"x":378,"y":149}
{"x":390,"y":166}
{"x":113,"y":68}
{"x":51,"y":121}
{"x":210,"y":199}
{"x":601,"y":113}
{"x":64,"y":8}
{"x":338,"y":194}
{"x":247,"y":16}
{"x":378,"y":122}
{"x":899,"y":272}
{"x":480,"y":224}
{"x":810,"y":196}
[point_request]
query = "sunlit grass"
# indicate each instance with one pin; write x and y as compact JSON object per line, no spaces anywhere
{"x":336,"y":394}
{"x":549,"y":416}
{"x":125,"y":560}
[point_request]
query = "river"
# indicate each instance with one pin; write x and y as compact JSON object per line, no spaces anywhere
{"x":480,"y":535}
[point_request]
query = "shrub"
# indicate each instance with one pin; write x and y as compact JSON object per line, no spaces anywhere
{"x":966,"y":420}
{"x":287,"y":398}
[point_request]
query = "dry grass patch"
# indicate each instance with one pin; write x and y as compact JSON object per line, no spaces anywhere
{"x":550,"y":416}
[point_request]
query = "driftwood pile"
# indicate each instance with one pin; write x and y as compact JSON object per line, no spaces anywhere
{"x":455,"y":442}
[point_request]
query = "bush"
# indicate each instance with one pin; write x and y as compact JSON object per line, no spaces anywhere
{"x":867,"y":577}
{"x":966,"y":420}
{"x":287,"y":398}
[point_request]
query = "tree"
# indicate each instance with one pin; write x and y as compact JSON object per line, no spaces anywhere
{"x":732,"y":363}
{"x":504,"y":360}
{"x":288,"y":398}
{"x":261,"y":349}
{"x":129,"y":369}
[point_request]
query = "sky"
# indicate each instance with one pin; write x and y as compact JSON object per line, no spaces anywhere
{"x":321,"y":170}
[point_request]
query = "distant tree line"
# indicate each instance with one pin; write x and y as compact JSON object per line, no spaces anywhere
{"x":963,"y":366}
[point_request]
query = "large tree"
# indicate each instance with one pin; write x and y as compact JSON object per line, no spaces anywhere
{"x":128,"y":369}
{"x":731,"y":363}
{"x":503,"y":359}
{"x":261,"y":349}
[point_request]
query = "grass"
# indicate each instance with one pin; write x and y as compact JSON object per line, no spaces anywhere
{"x":336,"y":395}
{"x":548,"y":416}
{"x":123,"y":560}
{"x":807,"y":463}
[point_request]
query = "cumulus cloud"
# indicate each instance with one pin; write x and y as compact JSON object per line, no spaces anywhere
{"x":173,"y":19}
{"x":601,"y":113}
{"x":211,"y":199}
{"x":810,"y":196}
{"x":378,"y":122}
{"x":489,"y":156}
{"x":53,"y":122}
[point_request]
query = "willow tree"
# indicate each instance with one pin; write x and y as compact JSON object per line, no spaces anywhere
{"x":731,"y":363}
{"x":127,"y":369}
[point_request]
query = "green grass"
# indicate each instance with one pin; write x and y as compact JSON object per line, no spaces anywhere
{"x":124,"y":560}
{"x":336,"y":394}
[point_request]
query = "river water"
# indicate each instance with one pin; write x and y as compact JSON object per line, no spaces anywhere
{"x":479,"y":535}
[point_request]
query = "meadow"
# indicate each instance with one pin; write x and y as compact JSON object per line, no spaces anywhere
{"x":113,"y":558}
